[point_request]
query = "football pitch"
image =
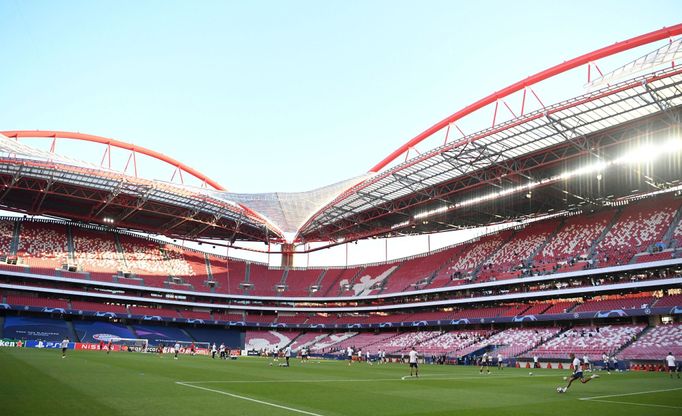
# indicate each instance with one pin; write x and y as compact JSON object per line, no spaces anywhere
{"x":39,"y":382}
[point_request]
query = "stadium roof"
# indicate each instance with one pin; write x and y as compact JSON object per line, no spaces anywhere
{"x":555,"y":158}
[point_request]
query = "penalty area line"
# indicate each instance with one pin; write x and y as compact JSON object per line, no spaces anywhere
{"x":629,"y":394}
{"x":637,"y":404}
{"x":237,"y":396}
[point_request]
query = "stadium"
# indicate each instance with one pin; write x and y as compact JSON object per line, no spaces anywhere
{"x":580,"y":200}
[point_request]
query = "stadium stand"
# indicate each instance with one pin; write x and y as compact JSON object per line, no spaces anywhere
{"x":330,"y":343}
{"x":451,"y":342}
{"x":415,"y":273}
{"x":299,"y":282}
{"x":655,"y":344}
{"x":228,"y":274}
{"x":267,"y":340}
{"x":516,"y":341}
{"x":405,"y":341}
{"x":639,"y":226}
{"x":196,"y":315}
{"x":587,"y":340}
{"x":98,"y":307}
{"x":139,"y":310}
{"x":258,"y":318}
{"x":95,"y":252}
{"x":461,"y":267}
{"x":616,"y":302}
{"x":513,"y":257}
{"x":363,"y":341}
{"x":307,"y":339}
{"x":43,"y":245}
{"x":264,"y":280}
{"x":30,"y":300}
{"x":6,"y":236}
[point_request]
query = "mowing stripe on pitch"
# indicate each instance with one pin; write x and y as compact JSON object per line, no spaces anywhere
{"x":236,"y":396}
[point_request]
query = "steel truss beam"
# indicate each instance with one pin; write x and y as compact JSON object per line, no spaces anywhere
{"x":130,"y":203}
{"x":579,"y":146}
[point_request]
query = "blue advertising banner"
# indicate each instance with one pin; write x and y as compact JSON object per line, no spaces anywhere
{"x":100,"y":331}
{"x":45,"y":329}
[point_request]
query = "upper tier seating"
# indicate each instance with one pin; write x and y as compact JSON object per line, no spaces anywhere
{"x":677,"y":235}
{"x":197,"y":262}
{"x":43,"y":245}
{"x":6,"y":236}
{"x":460,"y":266}
{"x":95,"y":251}
{"x":655,"y":344}
{"x":574,"y":239}
{"x":228,"y":274}
{"x":298,"y":282}
{"x":264,"y":280}
{"x":368,"y":281}
{"x":413,"y":271}
{"x":103,"y":254}
{"x":515,"y":253}
{"x":639,"y":226}
{"x":590,"y":341}
{"x":148,"y":260}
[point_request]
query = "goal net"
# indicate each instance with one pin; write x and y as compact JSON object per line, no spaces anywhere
{"x":130,"y":344}
{"x":202,"y":348}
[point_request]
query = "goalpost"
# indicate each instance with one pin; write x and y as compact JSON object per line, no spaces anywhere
{"x":130,"y":344}
{"x":202,"y":348}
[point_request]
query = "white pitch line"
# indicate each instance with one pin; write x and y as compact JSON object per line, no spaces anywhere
{"x":236,"y":396}
{"x":358,"y":380}
{"x":637,"y":404}
{"x":629,"y":394}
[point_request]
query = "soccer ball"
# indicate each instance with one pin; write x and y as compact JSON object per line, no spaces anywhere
{"x":565,"y":378}
{"x":559,"y":389}
{"x":530,"y":374}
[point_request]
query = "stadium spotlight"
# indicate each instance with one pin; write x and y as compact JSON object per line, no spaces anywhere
{"x":108,"y":220}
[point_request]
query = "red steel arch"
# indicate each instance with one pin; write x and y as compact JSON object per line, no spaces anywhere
{"x":115,"y":143}
{"x":665,"y":32}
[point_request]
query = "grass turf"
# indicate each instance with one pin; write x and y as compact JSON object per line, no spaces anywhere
{"x":39,"y":382}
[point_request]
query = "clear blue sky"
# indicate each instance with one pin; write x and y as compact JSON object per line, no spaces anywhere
{"x":283,"y":95}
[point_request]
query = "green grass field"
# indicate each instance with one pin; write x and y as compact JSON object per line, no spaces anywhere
{"x":39,"y":382}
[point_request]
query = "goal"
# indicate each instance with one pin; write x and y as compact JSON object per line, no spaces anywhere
{"x":185,"y":346}
{"x":130,"y":344}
